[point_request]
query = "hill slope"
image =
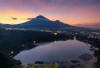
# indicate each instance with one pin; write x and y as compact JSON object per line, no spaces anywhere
{"x":42,"y":23}
{"x":39,"y":23}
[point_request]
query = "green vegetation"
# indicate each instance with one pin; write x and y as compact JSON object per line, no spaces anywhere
{"x":39,"y":62}
{"x":97,"y":64}
{"x":43,"y":66}
{"x":75,"y":61}
{"x":75,"y":66}
{"x":7,"y":62}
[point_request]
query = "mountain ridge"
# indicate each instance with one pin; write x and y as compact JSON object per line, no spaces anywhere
{"x":42,"y":23}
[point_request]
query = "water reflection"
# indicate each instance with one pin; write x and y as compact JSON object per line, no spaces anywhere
{"x":74,"y":37}
{"x":34,"y":42}
{"x":65,"y":51}
{"x":55,"y":41}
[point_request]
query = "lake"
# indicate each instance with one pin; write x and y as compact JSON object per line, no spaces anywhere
{"x":56,"y":51}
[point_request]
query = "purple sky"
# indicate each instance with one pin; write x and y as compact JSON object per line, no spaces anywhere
{"x":73,"y":12}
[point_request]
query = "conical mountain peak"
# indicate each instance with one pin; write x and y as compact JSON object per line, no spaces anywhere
{"x":57,"y":21}
{"x":41,"y":17}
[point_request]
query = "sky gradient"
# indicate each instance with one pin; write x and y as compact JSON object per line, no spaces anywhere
{"x":73,"y":12}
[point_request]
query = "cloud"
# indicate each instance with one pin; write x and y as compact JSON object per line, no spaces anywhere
{"x":14,"y":18}
{"x":96,"y":25}
{"x":29,"y":18}
{"x":75,"y":10}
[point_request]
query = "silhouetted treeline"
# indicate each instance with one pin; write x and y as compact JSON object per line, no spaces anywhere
{"x":7,"y":62}
{"x":95,"y":42}
{"x":12,"y":38}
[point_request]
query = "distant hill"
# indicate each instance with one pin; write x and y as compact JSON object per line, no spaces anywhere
{"x":93,"y":26}
{"x":43,"y":23}
{"x":39,"y":23}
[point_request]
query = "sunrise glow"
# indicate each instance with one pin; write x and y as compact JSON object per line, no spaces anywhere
{"x":73,"y":12}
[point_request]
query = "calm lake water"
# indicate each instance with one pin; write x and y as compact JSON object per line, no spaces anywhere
{"x":54,"y":51}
